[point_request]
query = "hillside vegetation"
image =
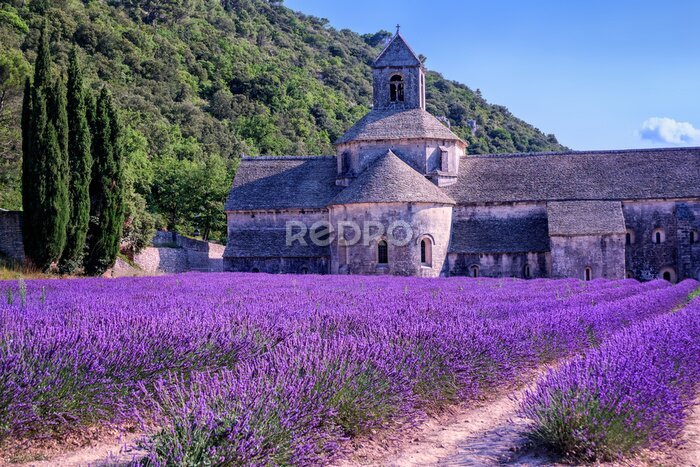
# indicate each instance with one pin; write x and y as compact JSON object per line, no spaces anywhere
{"x":203,"y":82}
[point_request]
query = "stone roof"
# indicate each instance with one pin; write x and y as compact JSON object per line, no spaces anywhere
{"x":389,"y":179}
{"x":594,"y":175}
{"x":397,"y":53}
{"x":500,"y":235}
{"x":585,"y":218}
{"x":283,"y":183}
{"x":397,"y":124}
{"x":269,"y":243}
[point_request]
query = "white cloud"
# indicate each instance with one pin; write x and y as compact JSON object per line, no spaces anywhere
{"x":668,"y":130}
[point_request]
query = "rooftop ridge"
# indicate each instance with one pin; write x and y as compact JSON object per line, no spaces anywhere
{"x":582,"y":152}
{"x":283,"y":158}
{"x":386,"y":48}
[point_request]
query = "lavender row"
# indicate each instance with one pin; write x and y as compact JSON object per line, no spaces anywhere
{"x":633,"y":392}
{"x":255,"y":368}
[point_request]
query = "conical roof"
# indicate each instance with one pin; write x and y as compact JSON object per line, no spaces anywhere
{"x":384,"y":125}
{"x":397,"y":53}
{"x":390,"y":180}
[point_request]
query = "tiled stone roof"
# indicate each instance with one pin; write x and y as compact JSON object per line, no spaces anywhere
{"x":500,"y":235}
{"x":585,"y":218}
{"x":389,"y":179}
{"x":397,"y":124}
{"x":270,"y":243}
{"x":397,"y":54}
{"x":595,"y":175}
{"x":283,"y":183}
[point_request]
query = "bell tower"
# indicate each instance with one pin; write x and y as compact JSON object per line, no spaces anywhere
{"x":399,"y":77}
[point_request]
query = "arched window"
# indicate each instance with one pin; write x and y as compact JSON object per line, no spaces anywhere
{"x":693,"y":237}
{"x":396,"y":88}
{"x":304,"y":270}
{"x":629,"y":275}
{"x":382,"y":252}
{"x":629,"y":237}
{"x":668,"y":274}
{"x":255,"y":270}
{"x":659,"y":236}
{"x":526,"y":271}
{"x":474,"y":270}
{"x":426,"y":252}
{"x":587,"y":274}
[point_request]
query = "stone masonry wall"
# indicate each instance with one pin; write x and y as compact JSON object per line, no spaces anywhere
{"x":173,"y":253}
{"x":11,"y":244}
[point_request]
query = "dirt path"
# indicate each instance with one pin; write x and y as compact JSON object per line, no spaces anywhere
{"x":489,"y":434}
{"x":690,"y":450}
{"x":119,"y":451}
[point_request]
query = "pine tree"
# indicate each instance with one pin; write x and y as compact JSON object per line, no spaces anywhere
{"x":106,"y":188}
{"x":80,"y":162}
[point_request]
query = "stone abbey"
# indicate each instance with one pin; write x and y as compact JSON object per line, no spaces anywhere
{"x":597,"y":214}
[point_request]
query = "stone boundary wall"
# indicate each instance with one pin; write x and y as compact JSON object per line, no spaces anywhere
{"x":11,"y":244}
{"x":173,"y":253}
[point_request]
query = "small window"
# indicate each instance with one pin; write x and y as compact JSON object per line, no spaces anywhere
{"x":304,"y":270}
{"x":629,"y":237}
{"x":629,"y":275}
{"x":396,"y":88}
{"x":659,"y":236}
{"x":382,"y":252}
{"x":668,"y":274}
{"x":587,"y":274}
{"x":526,"y":271}
{"x":426,"y":252}
{"x":474,"y":270}
{"x":255,"y":270}
{"x":693,"y":237}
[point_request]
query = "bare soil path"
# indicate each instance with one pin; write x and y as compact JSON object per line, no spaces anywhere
{"x":116,"y":451}
{"x":487,"y":434}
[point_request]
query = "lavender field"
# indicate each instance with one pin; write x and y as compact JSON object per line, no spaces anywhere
{"x":258,"y":369}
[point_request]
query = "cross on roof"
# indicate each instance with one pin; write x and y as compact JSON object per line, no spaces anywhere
{"x":398,"y":26}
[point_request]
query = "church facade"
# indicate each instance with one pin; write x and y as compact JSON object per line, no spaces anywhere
{"x":401,"y":196}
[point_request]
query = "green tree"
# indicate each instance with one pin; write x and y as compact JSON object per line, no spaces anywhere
{"x":80,"y":161}
{"x":106,"y":188}
{"x":45,"y":163}
{"x":56,"y":207}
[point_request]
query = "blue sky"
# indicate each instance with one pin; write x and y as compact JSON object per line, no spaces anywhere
{"x":598,"y":74}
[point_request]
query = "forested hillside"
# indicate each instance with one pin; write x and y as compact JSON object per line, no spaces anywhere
{"x":202,"y":82}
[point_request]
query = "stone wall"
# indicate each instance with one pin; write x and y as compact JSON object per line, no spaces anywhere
{"x":413,"y":82}
{"x":675,"y":220}
{"x":427,"y":221}
{"x":603,"y":254}
{"x":424,"y":156}
{"x":278,"y":265}
{"x":173,"y":253}
{"x":11,"y":244}
{"x":522,"y":265}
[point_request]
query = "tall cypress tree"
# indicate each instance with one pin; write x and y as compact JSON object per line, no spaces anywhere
{"x":56,"y":206}
{"x":36,"y":148}
{"x":30,"y":192}
{"x":106,"y":188}
{"x":45,"y":164}
{"x":80,"y":162}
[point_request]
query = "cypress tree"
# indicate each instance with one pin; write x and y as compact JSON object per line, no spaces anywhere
{"x":30,"y":192}
{"x":56,"y":207}
{"x":80,"y":162}
{"x":36,"y":146}
{"x":106,"y":188}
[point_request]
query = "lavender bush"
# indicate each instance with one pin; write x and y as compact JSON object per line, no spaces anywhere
{"x":257,"y":369}
{"x":634,"y":391}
